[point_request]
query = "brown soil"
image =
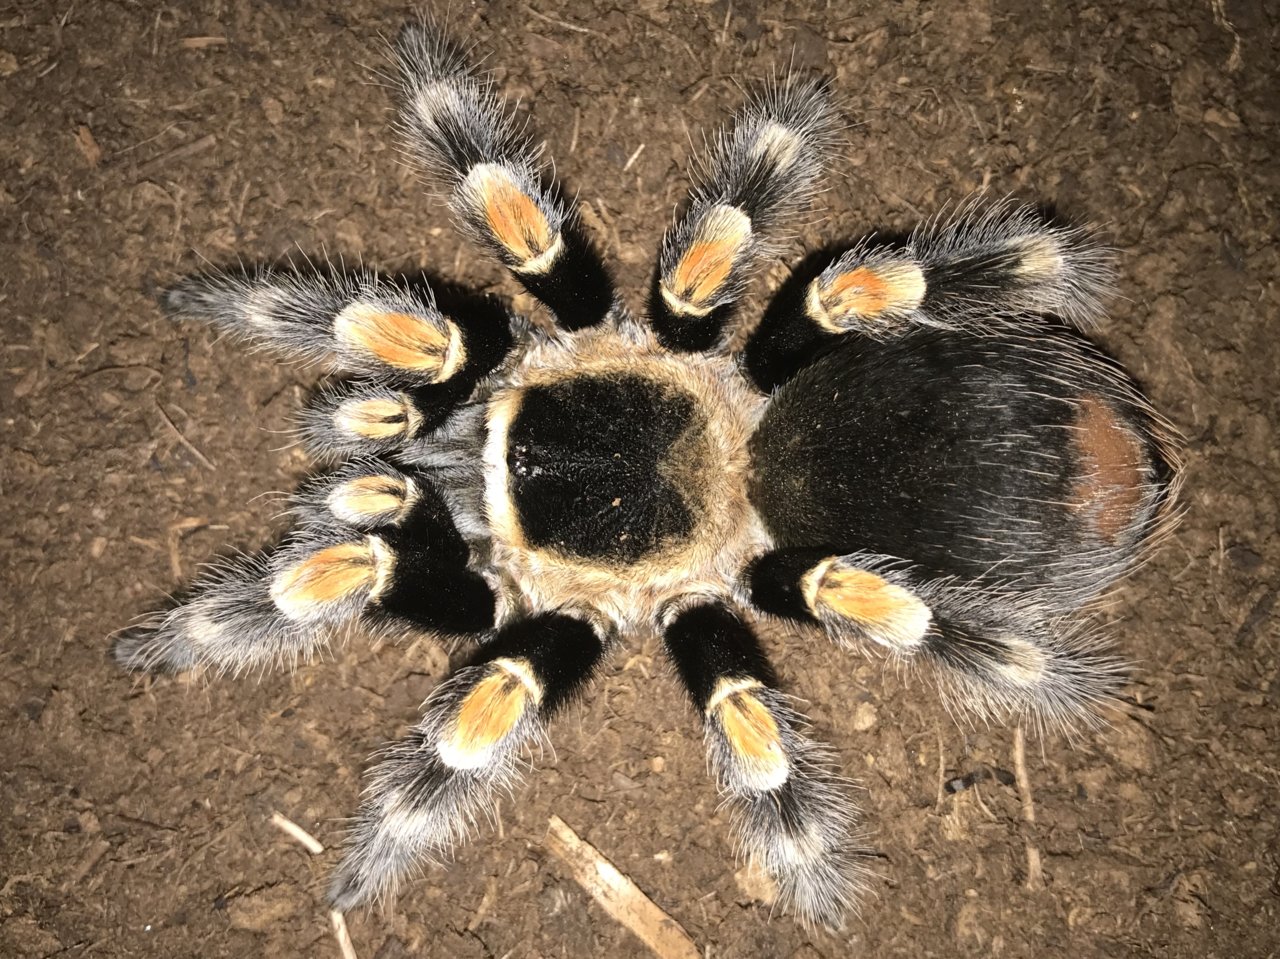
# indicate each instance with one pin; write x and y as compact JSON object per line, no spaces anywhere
{"x":136,"y":814}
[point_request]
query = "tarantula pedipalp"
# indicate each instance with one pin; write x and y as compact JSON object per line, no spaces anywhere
{"x":915,"y":448}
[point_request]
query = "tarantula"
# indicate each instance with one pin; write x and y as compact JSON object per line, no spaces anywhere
{"x":915,"y":449}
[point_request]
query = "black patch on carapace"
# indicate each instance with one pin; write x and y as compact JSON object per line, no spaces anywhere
{"x":681,"y":333}
{"x":562,"y":651}
{"x":951,"y":451}
{"x":774,"y":581}
{"x":431,"y":586}
{"x":584,"y":457}
{"x":577,"y":288}
{"x":708,"y":643}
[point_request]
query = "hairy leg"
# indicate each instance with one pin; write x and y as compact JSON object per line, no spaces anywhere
{"x":427,"y":790}
{"x":758,"y":173}
{"x":792,"y":813}
{"x":466,"y":137}
{"x":376,"y":546}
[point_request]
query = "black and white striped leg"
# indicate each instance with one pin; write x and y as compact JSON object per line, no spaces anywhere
{"x":377,"y":547}
{"x":364,"y":323}
{"x":968,"y":271}
{"x":761,"y":170}
{"x":996,"y":653}
{"x":792,"y":814}
{"x":427,"y":790}
{"x":371,"y":418}
{"x":468,"y":139}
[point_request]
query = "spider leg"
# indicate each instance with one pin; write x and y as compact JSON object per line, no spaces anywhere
{"x":372,"y":418}
{"x":427,"y":790}
{"x":792,"y":815}
{"x":415,"y":365}
{"x":362,"y":322}
{"x":995,"y":651}
{"x":757,"y":173}
{"x":462,"y":133}
{"x":966,"y":271}
{"x":376,"y":546}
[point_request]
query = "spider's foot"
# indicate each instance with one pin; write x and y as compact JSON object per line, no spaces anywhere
{"x":759,"y":172}
{"x":428,"y":790}
{"x":791,"y":812}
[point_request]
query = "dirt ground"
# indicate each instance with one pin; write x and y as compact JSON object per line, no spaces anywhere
{"x":140,"y":137}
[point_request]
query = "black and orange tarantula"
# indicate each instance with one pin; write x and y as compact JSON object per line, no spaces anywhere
{"x":915,"y":448}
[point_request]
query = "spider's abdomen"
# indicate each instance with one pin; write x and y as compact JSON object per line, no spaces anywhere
{"x":595,"y":466}
{"x":1023,"y":458}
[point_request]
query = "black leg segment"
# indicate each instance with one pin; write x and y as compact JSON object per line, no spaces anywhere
{"x":791,"y":813}
{"x":427,"y":791}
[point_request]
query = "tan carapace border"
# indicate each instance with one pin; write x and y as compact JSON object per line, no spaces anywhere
{"x":708,"y":465}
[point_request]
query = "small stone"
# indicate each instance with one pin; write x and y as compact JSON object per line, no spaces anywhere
{"x":273,"y":110}
{"x":864,"y":717}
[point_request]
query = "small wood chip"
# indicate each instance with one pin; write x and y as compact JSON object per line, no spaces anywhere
{"x":203,"y":43}
{"x":88,"y":146}
{"x":618,"y":895}
{"x":292,"y":829}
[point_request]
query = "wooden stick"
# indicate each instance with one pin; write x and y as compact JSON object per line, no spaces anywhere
{"x":181,"y":153}
{"x":619,"y":896}
{"x":339,"y":923}
{"x":1035,"y":874}
{"x":191,"y":447}
{"x":202,"y":43}
{"x":292,"y":829}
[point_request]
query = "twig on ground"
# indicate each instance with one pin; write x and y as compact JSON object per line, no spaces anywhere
{"x":575,"y":27}
{"x":619,"y":896}
{"x":632,"y":159}
{"x":181,"y":153}
{"x":202,"y":43}
{"x":942,"y":773}
{"x":293,"y":830}
{"x":486,"y":903}
{"x":191,"y":447}
{"x":1035,"y":873}
{"x":177,"y":533}
{"x":339,"y":923}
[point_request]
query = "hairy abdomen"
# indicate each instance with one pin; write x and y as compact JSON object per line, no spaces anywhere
{"x":1023,"y":458}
